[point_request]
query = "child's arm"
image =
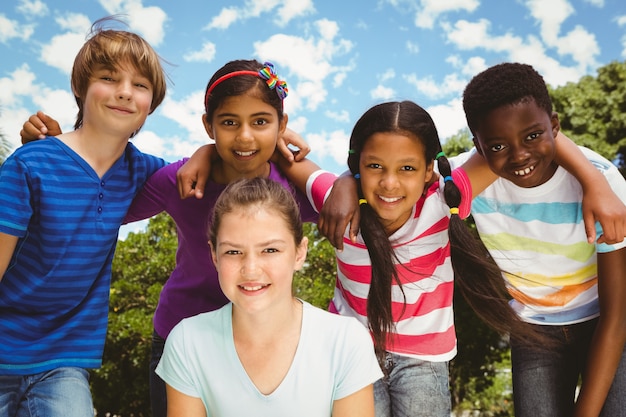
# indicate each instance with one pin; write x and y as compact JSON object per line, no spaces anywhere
{"x":192,"y":176}
{"x":359,"y":404}
{"x":334,"y":216}
{"x":7,"y":247}
{"x":609,"y":338}
{"x":599,"y":200}
{"x":182,"y":405}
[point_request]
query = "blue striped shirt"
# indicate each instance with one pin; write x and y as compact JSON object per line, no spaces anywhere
{"x":54,"y":295}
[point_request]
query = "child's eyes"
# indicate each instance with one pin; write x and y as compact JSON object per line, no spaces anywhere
{"x":374,"y":166}
{"x":260,"y":122}
{"x":232,"y":252}
{"x":496,"y":148}
{"x":407,"y":168}
{"x":271,"y":250}
{"x":533,"y":135}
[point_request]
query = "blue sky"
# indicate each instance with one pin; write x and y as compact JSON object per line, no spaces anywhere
{"x":338,"y":57}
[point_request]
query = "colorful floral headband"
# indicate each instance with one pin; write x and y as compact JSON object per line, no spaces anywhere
{"x":267,"y":73}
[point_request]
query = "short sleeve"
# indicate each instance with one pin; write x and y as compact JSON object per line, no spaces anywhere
{"x":173,"y":367}
{"x":361,"y":367}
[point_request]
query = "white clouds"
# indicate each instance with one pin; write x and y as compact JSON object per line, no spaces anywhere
{"x":61,"y":50}
{"x":412,"y":47}
{"x":187,"y":114}
{"x":10,"y":29}
{"x":579,"y":43}
{"x":531,"y":50}
{"x":550,"y":15}
{"x":342,"y":116}
{"x":429,"y":87}
{"x":597,"y":3}
{"x":381,"y":93}
{"x":32,"y":9}
{"x":431,"y":9}
{"x":334,"y":145}
{"x":224,"y":19}
{"x":310,"y":59}
{"x":449,"y":118}
{"x":206,"y":54}
{"x":148,"y":21}
{"x":21,"y":96}
{"x":282,"y":10}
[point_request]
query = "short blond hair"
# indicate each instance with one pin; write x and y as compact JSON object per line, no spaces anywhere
{"x":111,"y":48}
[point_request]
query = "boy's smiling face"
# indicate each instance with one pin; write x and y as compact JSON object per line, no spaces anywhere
{"x":518,"y":142}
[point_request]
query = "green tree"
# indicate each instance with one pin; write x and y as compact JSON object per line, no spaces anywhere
{"x":316,"y":281}
{"x":593,"y":110}
{"x":142,"y":263}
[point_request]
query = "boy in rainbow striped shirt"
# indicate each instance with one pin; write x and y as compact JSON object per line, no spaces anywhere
{"x":531,"y":221}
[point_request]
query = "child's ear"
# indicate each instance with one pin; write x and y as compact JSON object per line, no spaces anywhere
{"x":213,"y":254}
{"x":430,"y":169}
{"x":301,"y":251}
{"x":283,"y":124}
{"x":208,"y":126}
{"x":477,"y":146}
{"x":556,"y":124}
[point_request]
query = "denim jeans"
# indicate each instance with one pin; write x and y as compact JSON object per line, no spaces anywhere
{"x":61,"y":392}
{"x":158,"y":399}
{"x":413,"y":388}
{"x":545,"y":381}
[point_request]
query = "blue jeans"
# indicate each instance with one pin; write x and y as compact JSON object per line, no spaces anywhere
{"x":61,"y":392}
{"x":545,"y":381}
{"x":413,"y":388}
{"x":158,"y":398}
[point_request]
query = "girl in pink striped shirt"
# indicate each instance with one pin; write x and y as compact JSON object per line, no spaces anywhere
{"x":396,"y":276}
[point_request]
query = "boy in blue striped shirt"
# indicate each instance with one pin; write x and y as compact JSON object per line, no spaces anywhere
{"x":63,"y":201}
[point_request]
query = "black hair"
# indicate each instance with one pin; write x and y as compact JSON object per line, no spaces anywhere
{"x":239,"y":85}
{"x":502,"y":85}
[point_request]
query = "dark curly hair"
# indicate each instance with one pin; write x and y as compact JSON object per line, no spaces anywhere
{"x":502,"y":85}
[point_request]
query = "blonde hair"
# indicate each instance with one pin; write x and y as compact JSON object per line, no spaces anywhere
{"x":110,"y":48}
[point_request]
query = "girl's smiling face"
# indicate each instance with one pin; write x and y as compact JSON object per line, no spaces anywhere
{"x":245,"y":130}
{"x":255,"y":256}
{"x":393,"y":172}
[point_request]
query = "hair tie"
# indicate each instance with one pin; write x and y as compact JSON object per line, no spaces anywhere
{"x":440,"y":154}
{"x":357,"y":175}
{"x":362,"y":201}
{"x":351,"y":151}
{"x":454,"y":210}
{"x":273,"y":82}
{"x":447,"y":178}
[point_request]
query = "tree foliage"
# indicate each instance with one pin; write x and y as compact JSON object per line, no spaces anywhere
{"x":142,"y":264}
{"x":593,"y":110}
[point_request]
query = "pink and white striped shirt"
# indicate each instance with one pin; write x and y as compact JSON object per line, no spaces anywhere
{"x":423,"y":317}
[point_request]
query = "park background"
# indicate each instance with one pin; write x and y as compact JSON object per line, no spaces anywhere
{"x":339,"y":58}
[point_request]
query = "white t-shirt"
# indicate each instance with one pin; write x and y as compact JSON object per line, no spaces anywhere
{"x":537,"y":236}
{"x":334,"y":358}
